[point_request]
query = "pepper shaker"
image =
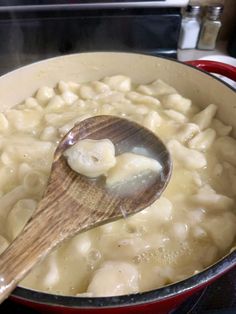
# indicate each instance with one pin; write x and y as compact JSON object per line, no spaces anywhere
{"x":210,"y":28}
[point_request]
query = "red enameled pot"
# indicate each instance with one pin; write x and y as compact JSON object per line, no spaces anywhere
{"x":192,"y":82}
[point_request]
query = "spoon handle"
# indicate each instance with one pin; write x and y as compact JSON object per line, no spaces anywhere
{"x":40,"y":236}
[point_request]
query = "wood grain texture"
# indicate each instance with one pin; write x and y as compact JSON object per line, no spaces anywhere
{"x":74,"y":203}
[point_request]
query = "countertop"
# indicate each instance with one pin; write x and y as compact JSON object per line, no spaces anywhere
{"x":193,"y":54}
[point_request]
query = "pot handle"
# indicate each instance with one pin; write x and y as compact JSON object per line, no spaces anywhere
{"x":215,"y":67}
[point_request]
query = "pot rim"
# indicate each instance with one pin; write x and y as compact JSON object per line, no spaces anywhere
{"x":160,"y":294}
{"x":196,"y":281}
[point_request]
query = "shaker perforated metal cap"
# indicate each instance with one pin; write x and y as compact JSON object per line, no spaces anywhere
{"x":214,"y":11}
{"x":193,"y":9}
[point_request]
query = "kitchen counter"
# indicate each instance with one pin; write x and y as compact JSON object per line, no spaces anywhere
{"x":193,"y":54}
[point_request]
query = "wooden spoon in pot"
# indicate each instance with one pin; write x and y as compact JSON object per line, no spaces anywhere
{"x":74,"y":203}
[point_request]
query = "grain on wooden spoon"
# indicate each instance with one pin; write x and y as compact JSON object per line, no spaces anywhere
{"x":74,"y":203}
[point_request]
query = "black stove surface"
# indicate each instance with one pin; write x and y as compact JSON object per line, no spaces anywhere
{"x":218,"y":298}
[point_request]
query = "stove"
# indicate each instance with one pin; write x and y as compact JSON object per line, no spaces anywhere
{"x":87,"y":4}
{"x":218,"y":298}
{"x":32,"y":30}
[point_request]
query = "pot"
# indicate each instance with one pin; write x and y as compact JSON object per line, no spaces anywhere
{"x":191,"y":82}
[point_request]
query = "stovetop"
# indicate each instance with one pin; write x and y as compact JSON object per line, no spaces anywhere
{"x":218,"y":298}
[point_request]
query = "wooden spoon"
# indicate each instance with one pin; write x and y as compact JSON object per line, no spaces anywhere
{"x":74,"y":203}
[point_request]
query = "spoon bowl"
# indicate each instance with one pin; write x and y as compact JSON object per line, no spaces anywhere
{"x":74,"y":203}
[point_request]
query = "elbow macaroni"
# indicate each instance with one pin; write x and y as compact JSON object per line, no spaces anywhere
{"x":191,"y":226}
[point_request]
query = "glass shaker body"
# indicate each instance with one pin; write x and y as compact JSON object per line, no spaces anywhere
{"x":190,"y":28}
{"x":210,"y":28}
{"x":208,"y":35}
{"x":189,"y":33}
